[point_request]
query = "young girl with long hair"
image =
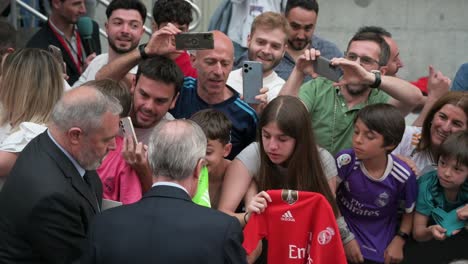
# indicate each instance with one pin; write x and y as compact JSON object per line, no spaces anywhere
{"x":289,"y":158}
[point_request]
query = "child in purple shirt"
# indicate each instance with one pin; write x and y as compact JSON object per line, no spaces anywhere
{"x":372,"y":184}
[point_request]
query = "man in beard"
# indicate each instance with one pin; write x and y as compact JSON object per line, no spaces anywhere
{"x":334,"y":105}
{"x":61,"y":31}
{"x":124,"y":28}
{"x":53,"y":191}
{"x":266,"y":44}
{"x":302,"y":17}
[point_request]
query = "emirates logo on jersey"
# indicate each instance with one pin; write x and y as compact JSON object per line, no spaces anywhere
{"x":289,"y":196}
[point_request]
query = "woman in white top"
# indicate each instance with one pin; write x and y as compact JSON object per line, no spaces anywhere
{"x":31,"y":84}
{"x":448,"y":115}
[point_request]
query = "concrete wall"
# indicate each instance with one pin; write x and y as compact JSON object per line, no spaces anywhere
{"x":427,"y":31}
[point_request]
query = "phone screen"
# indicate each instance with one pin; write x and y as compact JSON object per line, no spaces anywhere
{"x":126,"y":127}
{"x":194,"y":41}
{"x":323,"y":68}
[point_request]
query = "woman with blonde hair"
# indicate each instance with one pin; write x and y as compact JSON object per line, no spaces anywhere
{"x":31,"y":84}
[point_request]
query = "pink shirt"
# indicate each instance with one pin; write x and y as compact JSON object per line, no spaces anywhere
{"x":119,"y":181}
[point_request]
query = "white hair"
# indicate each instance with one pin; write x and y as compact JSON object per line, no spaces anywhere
{"x":175,"y":148}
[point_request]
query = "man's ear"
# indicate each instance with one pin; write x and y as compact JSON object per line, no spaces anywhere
{"x":174,"y":101}
{"x":134,"y":83}
{"x":198,"y":168}
{"x":193,"y":58}
{"x":55,"y":3}
{"x":74,"y":135}
{"x":195,"y":178}
{"x":390,"y":148}
{"x":154,"y":26}
{"x":227,"y":149}
{"x":383,"y":70}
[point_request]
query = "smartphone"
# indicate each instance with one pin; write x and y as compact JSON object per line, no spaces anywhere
{"x":323,"y":68}
{"x":194,"y":41}
{"x":57,"y":53}
{"x":126,"y":127}
{"x":252,"y":80}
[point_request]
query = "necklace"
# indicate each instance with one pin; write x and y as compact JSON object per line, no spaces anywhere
{"x":336,"y":103}
{"x":335,"y":106}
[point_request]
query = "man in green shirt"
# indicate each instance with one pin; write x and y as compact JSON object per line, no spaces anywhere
{"x":333,"y":106}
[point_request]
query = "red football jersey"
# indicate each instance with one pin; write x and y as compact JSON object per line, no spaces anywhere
{"x":300,"y":228}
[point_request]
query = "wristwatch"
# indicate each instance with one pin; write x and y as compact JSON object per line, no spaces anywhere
{"x":403,"y":235}
{"x":378,"y":79}
{"x":143,"y":54}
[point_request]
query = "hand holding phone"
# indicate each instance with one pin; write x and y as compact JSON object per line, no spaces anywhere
{"x":194,"y":41}
{"x":323,"y":68}
{"x":126,"y":127}
{"x":252,"y":80}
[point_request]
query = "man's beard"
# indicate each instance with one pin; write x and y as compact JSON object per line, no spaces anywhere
{"x":356,"y":90}
{"x":265,"y":67}
{"x":121,"y":50}
{"x":301,"y":47}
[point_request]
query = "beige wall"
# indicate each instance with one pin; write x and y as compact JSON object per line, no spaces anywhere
{"x":427,"y":31}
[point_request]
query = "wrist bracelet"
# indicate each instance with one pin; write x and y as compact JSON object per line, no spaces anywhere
{"x":378,"y":79}
{"x":143,"y":54}
{"x":403,"y":235}
{"x":245,"y":217}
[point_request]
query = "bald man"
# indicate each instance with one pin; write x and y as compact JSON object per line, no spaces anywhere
{"x":209,"y":90}
{"x":53,"y":191}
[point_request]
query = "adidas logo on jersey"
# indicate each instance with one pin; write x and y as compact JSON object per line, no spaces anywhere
{"x":288,"y":217}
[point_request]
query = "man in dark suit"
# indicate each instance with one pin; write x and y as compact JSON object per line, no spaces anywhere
{"x":165,"y":226}
{"x":60,"y":31}
{"x":53,"y":191}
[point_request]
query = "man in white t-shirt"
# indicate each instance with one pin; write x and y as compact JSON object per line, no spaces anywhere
{"x":266,"y":44}
{"x":124,"y":28}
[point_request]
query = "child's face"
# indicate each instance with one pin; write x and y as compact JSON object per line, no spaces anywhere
{"x":367,"y":143}
{"x":277,"y":145}
{"x":215,"y":153}
{"x":451,"y":175}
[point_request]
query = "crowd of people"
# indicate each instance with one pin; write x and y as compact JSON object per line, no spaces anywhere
{"x":318,"y":171}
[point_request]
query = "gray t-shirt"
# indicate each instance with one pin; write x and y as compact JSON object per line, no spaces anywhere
{"x":250,"y":157}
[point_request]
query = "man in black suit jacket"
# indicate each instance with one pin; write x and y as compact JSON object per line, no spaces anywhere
{"x":60,"y":31}
{"x":165,"y":226}
{"x":53,"y":191}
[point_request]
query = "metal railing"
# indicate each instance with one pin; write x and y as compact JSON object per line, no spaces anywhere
{"x":28,"y":8}
{"x":192,"y":26}
{"x":38,"y":15}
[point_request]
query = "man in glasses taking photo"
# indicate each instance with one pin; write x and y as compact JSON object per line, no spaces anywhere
{"x":333,"y":105}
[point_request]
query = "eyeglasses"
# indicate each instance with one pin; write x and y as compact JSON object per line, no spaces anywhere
{"x":364,"y":60}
